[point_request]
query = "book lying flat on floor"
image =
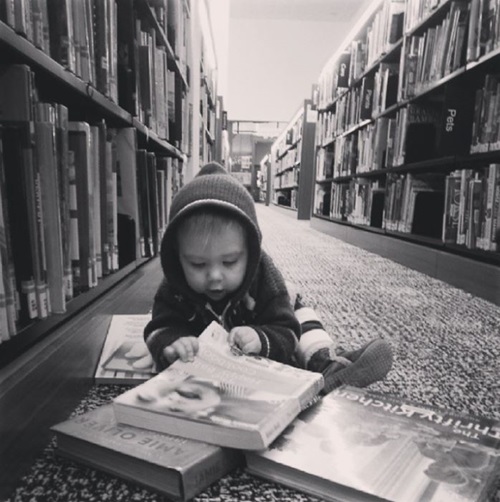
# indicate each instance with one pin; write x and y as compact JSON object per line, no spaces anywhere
{"x":357,"y":446}
{"x":223,"y":397}
{"x":177,"y":467}
{"x":125,"y":358}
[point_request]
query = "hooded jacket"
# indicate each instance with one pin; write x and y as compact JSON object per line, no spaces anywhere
{"x":261,"y":302}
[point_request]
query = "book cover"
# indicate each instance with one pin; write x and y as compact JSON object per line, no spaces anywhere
{"x":125,"y":357}
{"x":222,"y":397}
{"x":177,"y":467}
{"x":354,"y":446}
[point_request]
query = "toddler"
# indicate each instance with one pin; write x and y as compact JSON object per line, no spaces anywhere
{"x":214,"y":269}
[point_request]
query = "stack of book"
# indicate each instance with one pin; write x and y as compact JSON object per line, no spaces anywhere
{"x":191,"y":424}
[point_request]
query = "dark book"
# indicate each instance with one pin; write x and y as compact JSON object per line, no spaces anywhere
{"x":153,"y":203}
{"x":18,"y":191}
{"x":427,"y":217}
{"x":357,"y":446}
{"x":177,"y":467}
{"x":16,"y":93}
{"x":62,"y":48}
{"x":396,"y":23}
{"x":80,"y":144}
{"x":105,"y":196}
{"x":420,"y":142}
{"x":127,"y":195}
{"x":145,"y":235}
{"x":366,"y":97}
{"x":7,"y":261}
{"x":455,"y":126}
{"x":343,"y":69}
{"x":223,"y":397}
{"x":127,"y":62}
{"x":102,"y":26}
{"x":451,"y":208}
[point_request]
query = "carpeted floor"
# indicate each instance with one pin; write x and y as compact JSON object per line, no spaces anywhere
{"x":446,"y":345}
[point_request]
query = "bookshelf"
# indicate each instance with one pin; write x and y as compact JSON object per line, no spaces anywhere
{"x":292,"y":162}
{"x":265,"y":169}
{"x":407,"y":151}
{"x":202,"y":108}
{"x":95,"y":97}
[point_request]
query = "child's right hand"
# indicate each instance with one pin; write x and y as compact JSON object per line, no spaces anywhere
{"x":184,"y":348}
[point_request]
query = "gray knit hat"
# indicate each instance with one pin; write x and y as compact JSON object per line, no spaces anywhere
{"x":213,"y":187}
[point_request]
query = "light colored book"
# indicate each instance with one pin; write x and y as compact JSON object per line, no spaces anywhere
{"x":177,"y":467}
{"x":125,"y":358}
{"x":222,"y":397}
{"x":356,"y":446}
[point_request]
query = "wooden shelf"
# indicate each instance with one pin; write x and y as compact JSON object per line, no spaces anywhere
{"x":54,"y":375}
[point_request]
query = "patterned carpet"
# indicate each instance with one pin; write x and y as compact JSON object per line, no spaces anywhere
{"x":446,"y":345}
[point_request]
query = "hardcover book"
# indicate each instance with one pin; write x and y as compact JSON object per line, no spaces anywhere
{"x":222,"y":397}
{"x":177,"y":467}
{"x":125,"y":357}
{"x":357,"y":446}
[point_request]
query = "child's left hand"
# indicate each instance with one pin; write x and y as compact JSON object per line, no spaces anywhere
{"x":246,"y":339}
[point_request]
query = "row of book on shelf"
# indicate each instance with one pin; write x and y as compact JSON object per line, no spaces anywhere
{"x":461,"y":122}
{"x":79,"y":201}
{"x":116,"y":51}
{"x":462,"y":207}
{"x":441,"y":37}
{"x":182,"y":429}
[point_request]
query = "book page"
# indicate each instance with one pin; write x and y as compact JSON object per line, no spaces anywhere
{"x":218,"y":360}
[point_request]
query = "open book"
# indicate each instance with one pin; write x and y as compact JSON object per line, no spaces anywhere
{"x":223,"y":397}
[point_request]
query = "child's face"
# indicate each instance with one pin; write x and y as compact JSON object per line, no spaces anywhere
{"x":214,"y":267}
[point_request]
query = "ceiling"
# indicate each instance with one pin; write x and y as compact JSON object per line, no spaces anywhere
{"x":331,"y":11}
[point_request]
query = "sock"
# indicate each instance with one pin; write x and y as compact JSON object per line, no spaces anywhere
{"x":315,"y":345}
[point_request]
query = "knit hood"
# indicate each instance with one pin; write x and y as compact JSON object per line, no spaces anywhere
{"x":213,"y":187}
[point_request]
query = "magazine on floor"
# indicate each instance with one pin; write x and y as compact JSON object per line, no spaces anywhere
{"x":125,"y":358}
{"x":223,"y":397}
{"x":357,"y":446}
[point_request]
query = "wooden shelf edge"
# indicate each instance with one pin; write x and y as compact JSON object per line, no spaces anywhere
{"x":43,"y":62}
{"x":29,"y":336}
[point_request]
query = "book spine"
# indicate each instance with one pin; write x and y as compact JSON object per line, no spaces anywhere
{"x":64,"y":195}
{"x":210,"y":469}
{"x":8,"y":272}
{"x":49,"y":186}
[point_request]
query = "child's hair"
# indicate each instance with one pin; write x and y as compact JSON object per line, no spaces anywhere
{"x":208,"y":223}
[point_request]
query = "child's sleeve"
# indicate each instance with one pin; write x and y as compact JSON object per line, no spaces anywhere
{"x":168,"y":323}
{"x":275,"y":321}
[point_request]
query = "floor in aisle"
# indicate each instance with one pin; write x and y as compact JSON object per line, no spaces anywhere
{"x":446,"y":344}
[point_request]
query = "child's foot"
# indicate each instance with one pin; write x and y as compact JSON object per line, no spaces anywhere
{"x":358,"y":368}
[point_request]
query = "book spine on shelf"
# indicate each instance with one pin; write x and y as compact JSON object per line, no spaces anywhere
{"x":46,"y":154}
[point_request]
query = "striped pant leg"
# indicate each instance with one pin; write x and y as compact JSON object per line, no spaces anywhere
{"x":316,"y":347}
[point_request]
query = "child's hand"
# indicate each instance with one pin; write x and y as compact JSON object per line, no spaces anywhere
{"x":246,"y":339}
{"x":184,"y":348}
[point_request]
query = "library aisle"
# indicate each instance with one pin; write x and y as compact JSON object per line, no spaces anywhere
{"x":446,"y":345}
{"x":446,"y":341}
